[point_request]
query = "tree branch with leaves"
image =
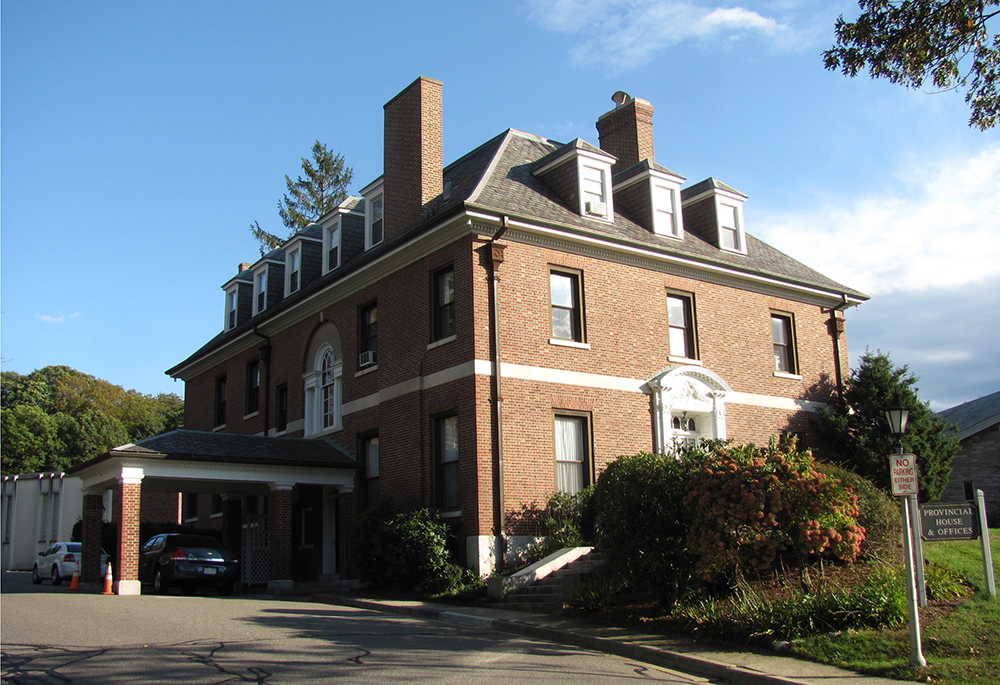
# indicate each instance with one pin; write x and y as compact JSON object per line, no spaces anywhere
{"x":321,"y":190}
{"x":919,"y":41}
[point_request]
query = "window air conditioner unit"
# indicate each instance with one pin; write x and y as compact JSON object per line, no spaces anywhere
{"x":366,"y":358}
{"x":596,"y":207}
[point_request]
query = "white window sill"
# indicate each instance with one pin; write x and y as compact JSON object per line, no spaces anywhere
{"x":451,"y":514}
{"x":442,"y":341}
{"x":325,"y":431}
{"x":219,"y":428}
{"x":191,"y":520}
{"x":569,"y":343}
{"x":685,"y":360}
{"x":367,"y":369}
{"x":217,"y":515}
{"x":789,"y":376}
{"x":251,"y":415}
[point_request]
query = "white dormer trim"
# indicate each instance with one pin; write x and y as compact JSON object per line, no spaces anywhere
{"x":374,"y":212}
{"x":728,"y":210}
{"x":665,"y":198}
{"x":232,"y":307}
{"x":332,"y":238}
{"x":293,"y":267}
{"x":594,"y":180}
{"x":259,"y":289}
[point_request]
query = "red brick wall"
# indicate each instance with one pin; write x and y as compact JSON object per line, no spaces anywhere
{"x":93,"y":514}
{"x":627,"y":133}
{"x":127,"y":502}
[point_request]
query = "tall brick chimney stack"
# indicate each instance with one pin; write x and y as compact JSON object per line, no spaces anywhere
{"x":413,"y":157}
{"x":627,"y":132}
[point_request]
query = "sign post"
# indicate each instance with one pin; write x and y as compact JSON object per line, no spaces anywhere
{"x":903,"y":476}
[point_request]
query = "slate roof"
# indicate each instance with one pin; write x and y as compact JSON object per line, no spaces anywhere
{"x":974,"y":416}
{"x":497,"y":177}
{"x":188,"y":445}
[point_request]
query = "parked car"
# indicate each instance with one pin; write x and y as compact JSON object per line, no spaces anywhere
{"x":59,"y":561}
{"x":189,"y":562}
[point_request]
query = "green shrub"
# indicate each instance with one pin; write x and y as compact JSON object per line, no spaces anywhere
{"x":592,"y":593}
{"x":640,"y":523}
{"x":878,"y":513}
{"x":750,"y":504}
{"x":561,"y":522}
{"x":405,"y":550}
{"x":943,"y":583}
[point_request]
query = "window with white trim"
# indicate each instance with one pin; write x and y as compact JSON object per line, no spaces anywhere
{"x":324,"y":392}
{"x":374,"y":221}
{"x":331,"y":247}
{"x":594,"y":190}
{"x":231,"y":308}
{"x":572,"y":445}
{"x":260,"y":291}
{"x":293,"y":269}
{"x":443,"y":304}
{"x":666,"y":217}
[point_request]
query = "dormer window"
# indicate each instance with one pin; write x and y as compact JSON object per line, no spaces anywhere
{"x":374,"y":221}
{"x":729,"y":227}
{"x":595,"y":184}
{"x":231,"y":308}
{"x":666,"y":205}
{"x":293,"y":266}
{"x":581,"y":174}
{"x":331,"y":247}
{"x":260,"y":291}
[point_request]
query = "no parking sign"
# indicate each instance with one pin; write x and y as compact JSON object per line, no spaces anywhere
{"x":903,"y":474}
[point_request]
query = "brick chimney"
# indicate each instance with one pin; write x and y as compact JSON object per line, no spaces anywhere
{"x":627,"y":132}
{"x":413,"y":166}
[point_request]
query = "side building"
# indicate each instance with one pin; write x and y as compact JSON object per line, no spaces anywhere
{"x":479,"y":335}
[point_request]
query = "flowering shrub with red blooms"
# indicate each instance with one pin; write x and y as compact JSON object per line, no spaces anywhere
{"x":750,"y":504}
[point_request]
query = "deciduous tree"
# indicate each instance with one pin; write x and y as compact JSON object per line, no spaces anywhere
{"x":919,"y":41}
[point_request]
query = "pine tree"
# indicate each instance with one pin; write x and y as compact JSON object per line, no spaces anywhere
{"x":856,"y":434}
{"x":321,"y":190}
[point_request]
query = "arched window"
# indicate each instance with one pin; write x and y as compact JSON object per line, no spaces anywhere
{"x":328,"y":386}
{"x":689,"y":404}
{"x":323,"y":381}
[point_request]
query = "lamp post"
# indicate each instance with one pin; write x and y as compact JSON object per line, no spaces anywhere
{"x":897,"y":415}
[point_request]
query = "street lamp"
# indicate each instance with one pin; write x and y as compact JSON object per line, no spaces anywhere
{"x":897,"y":415}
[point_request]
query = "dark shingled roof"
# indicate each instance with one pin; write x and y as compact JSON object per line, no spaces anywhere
{"x":985,"y":410}
{"x":187,"y":445}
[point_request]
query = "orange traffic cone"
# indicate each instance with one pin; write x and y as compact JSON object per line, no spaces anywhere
{"x":108,"y":581}
{"x":75,"y":583}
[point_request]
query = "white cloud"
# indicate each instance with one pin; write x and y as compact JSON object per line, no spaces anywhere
{"x":618,"y":35}
{"x":936,"y":226}
{"x":57,"y":318}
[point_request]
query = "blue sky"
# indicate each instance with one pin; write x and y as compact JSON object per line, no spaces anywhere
{"x":140,"y":140}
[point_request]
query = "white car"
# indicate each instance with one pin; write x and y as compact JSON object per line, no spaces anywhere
{"x":59,"y":561}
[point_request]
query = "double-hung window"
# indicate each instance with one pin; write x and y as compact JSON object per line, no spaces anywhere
{"x":260,"y":291}
{"x":231,"y":303}
{"x":446,"y":456}
{"x":281,"y":408}
{"x":572,"y":444}
{"x":567,"y":305}
{"x":220,"y":400}
{"x":369,"y":454}
{"x":368,"y":335}
{"x":332,"y":245}
{"x":680,"y":320}
{"x":729,"y":228}
{"x":294,"y":270}
{"x":783,"y":335}
{"x":253,"y":386}
{"x":376,"y":221}
{"x":443,"y":304}
{"x":595,"y":190}
{"x":328,"y":391}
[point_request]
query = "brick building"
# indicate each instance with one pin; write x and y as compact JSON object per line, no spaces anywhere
{"x":977,"y":464}
{"x":477,"y":336}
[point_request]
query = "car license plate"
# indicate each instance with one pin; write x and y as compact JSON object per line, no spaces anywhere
{"x":210,"y":570}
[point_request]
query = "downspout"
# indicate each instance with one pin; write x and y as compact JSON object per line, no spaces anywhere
{"x":265,"y":361}
{"x":492,"y":255}
{"x":836,"y":326}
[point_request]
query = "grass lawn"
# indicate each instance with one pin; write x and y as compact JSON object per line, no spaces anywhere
{"x":961,"y":638}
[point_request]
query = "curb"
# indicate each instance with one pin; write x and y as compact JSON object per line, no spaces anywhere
{"x":698,"y":666}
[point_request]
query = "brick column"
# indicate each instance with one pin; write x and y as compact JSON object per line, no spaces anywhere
{"x":93,"y":515}
{"x":128,"y":501}
{"x":279,"y":525}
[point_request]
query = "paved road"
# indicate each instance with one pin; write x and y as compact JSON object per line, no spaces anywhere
{"x":52,"y":635}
